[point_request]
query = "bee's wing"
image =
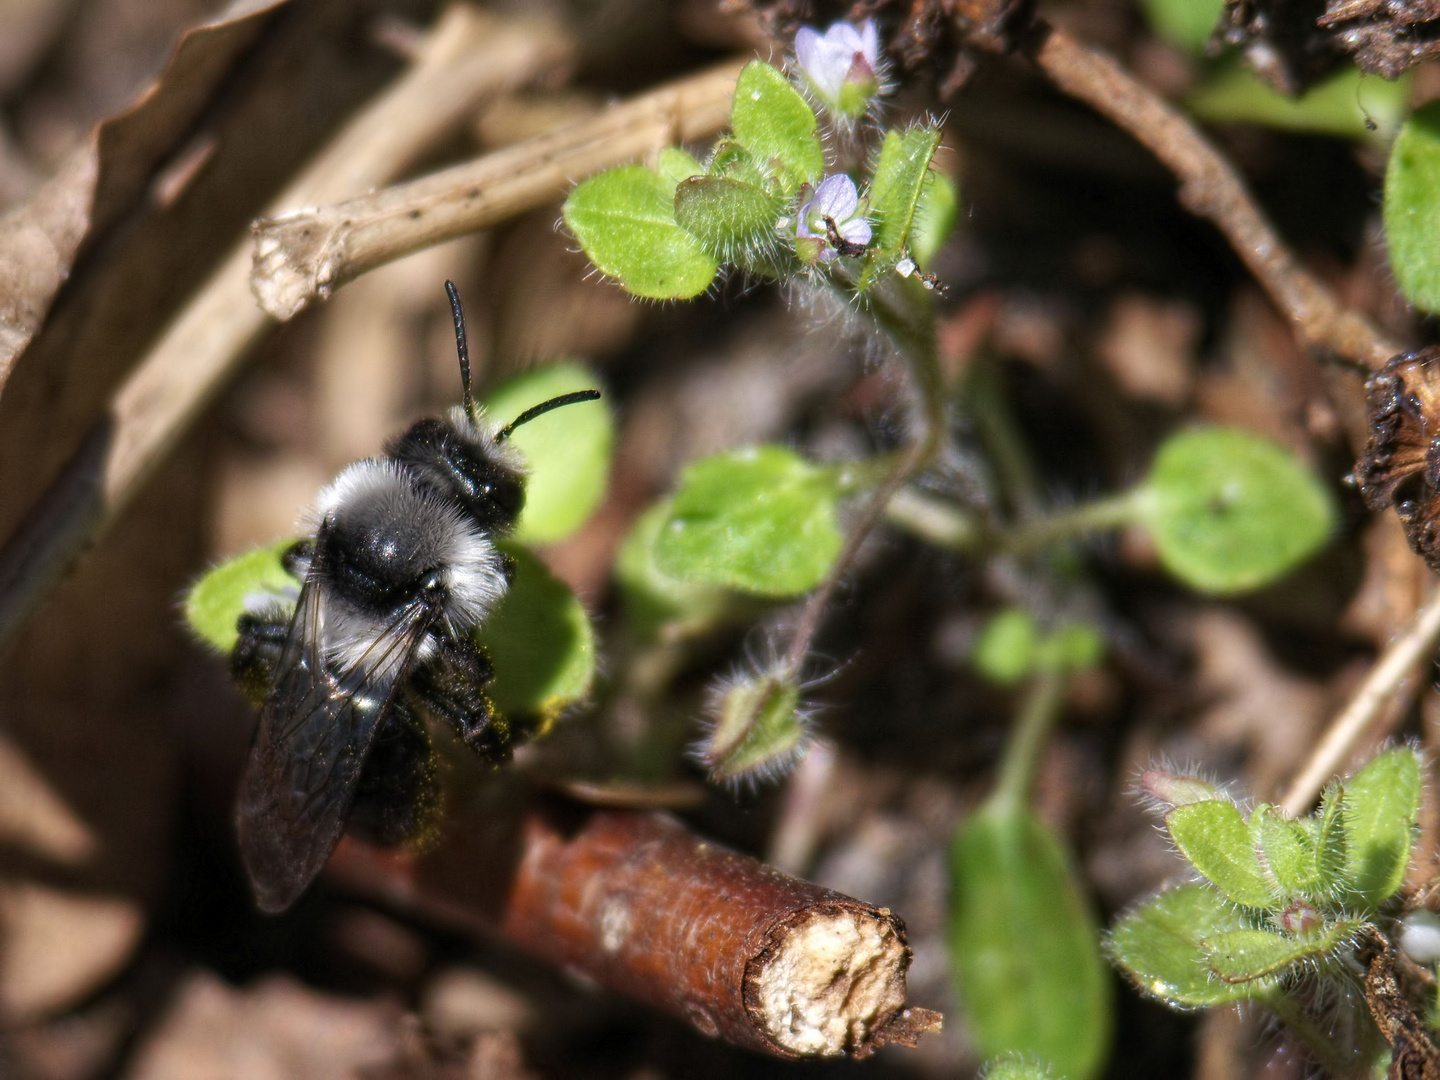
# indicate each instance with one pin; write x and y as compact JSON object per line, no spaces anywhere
{"x":315,"y":730}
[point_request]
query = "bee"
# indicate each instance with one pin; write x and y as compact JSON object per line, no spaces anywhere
{"x":401,"y":571}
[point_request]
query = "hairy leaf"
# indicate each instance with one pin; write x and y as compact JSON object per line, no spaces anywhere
{"x":1024,"y":945}
{"x":1381,"y":803}
{"x":760,"y":521}
{"x":1213,"y":835}
{"x":625,"y":220}
{"x":773,"y":122}
{"x":1159,"y":945}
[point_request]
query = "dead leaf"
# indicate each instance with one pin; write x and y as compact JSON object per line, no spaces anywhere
{"x":40,"y":239}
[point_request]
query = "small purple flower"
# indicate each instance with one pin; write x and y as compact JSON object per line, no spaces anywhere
{"x":842,"y":67}
{"x":837,"y":200}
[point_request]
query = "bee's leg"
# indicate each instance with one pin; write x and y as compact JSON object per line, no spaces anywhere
{"x":257,"y":650}
{"x":296,"y":559}
{"x":398,"y":794}
{"x":451,"y":684}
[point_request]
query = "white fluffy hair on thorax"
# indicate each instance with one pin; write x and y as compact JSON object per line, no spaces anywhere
{"x":474,"y":571}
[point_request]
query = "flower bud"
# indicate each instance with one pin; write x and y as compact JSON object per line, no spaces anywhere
{"x":1176,"y":789}
{"x":841,"y":67}
{"x":758,"y":728}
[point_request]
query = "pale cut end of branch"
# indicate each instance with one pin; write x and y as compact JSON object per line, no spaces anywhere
{"x":294,"y":261}
{"x":834,"y":978}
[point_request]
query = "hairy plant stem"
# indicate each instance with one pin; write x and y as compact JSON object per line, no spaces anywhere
{"x":947,"y":526}
{"x":1303,"y":1028}
{"x":1047,"y":530}
{"x":906,"y":315}
{"x":1038,"y":713}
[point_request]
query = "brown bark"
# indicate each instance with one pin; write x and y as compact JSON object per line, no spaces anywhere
{"x":644,"y":907}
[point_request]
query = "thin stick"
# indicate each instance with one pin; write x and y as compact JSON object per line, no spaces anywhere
{"x":635,"y":902}
{"x":302,"y":255}
{"x":1398,"y":663}
{"x":1210,"y":188}
{"x":467,"y":58}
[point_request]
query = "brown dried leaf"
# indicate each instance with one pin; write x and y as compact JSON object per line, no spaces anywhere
{"x":1387,"y":37}
{"x":40,"y":239}
{"x":275,"y":1029}
{"x":1400,"y":466}
{"x":1281,"y":41}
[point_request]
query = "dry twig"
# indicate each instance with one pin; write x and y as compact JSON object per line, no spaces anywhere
{"x":1399,"y":662}
{"x":644,"y":907}
{"x":303,"y":254}
{"x":1210,"y":188}
{"x":467,"y":58}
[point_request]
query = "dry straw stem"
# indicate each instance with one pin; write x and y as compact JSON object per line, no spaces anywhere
{"x":302,"y":255}
{"x":467,"y":58}
{"x":1210,"y":188}
{"x":647,"y":909}
{"x":1402,"y":660}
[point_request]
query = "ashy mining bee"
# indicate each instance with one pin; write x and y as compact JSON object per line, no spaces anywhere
{"x":400,"y":573}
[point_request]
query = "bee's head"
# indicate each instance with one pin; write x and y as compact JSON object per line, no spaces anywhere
{"x":467,"y":459}
{"x":469,"y":465}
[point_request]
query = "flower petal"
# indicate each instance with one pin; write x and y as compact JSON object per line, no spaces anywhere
{"x":837,"y":198}
{"x":856,"y":230}
{"x":870,"y":43}
{"x":807,"y":49}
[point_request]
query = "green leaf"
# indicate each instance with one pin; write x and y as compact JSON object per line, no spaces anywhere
{"x":1024,"y":945}
{"x":216,"y":601}
{"x":1381,"y":803}
{"x":761,"y":521}
{"x":540,"y":643}
{"x":1340,"y":105}
{"x":758,"y":729}
{"x":1330,"y":840}
{"x":775,"y":124}
{"x":1073,"y":647}
{"x":1159,"y":945}
{"x":1248,"y":955}
{"x":1007,"y":649}
{"x":935,"y":216}
{"x":1290,"y":849}
{"x":1213,"y":835}
{"x":900,"y":177}
{"x":675,"y":165}
{"x":625,"y":220}
{"x":1186,"y":23}
{"x":1230,"y":511}
{"x":568,"y":450}
{"x":1412,"y":207}
{"x":656,"y":601}
{"x":732,"y":219}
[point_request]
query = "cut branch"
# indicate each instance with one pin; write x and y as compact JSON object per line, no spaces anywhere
{"x":467,"y":58}
{"x":1210,"y":188}
{"x":303,"y":254}
{"x":645,"y":908}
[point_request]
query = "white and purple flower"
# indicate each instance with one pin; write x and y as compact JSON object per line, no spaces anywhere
{"x":841,"y":67}
{"x":835,"y":202}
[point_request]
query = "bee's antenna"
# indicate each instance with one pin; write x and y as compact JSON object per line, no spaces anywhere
{"x":461,"y":347}
{"x":544,"y":407}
